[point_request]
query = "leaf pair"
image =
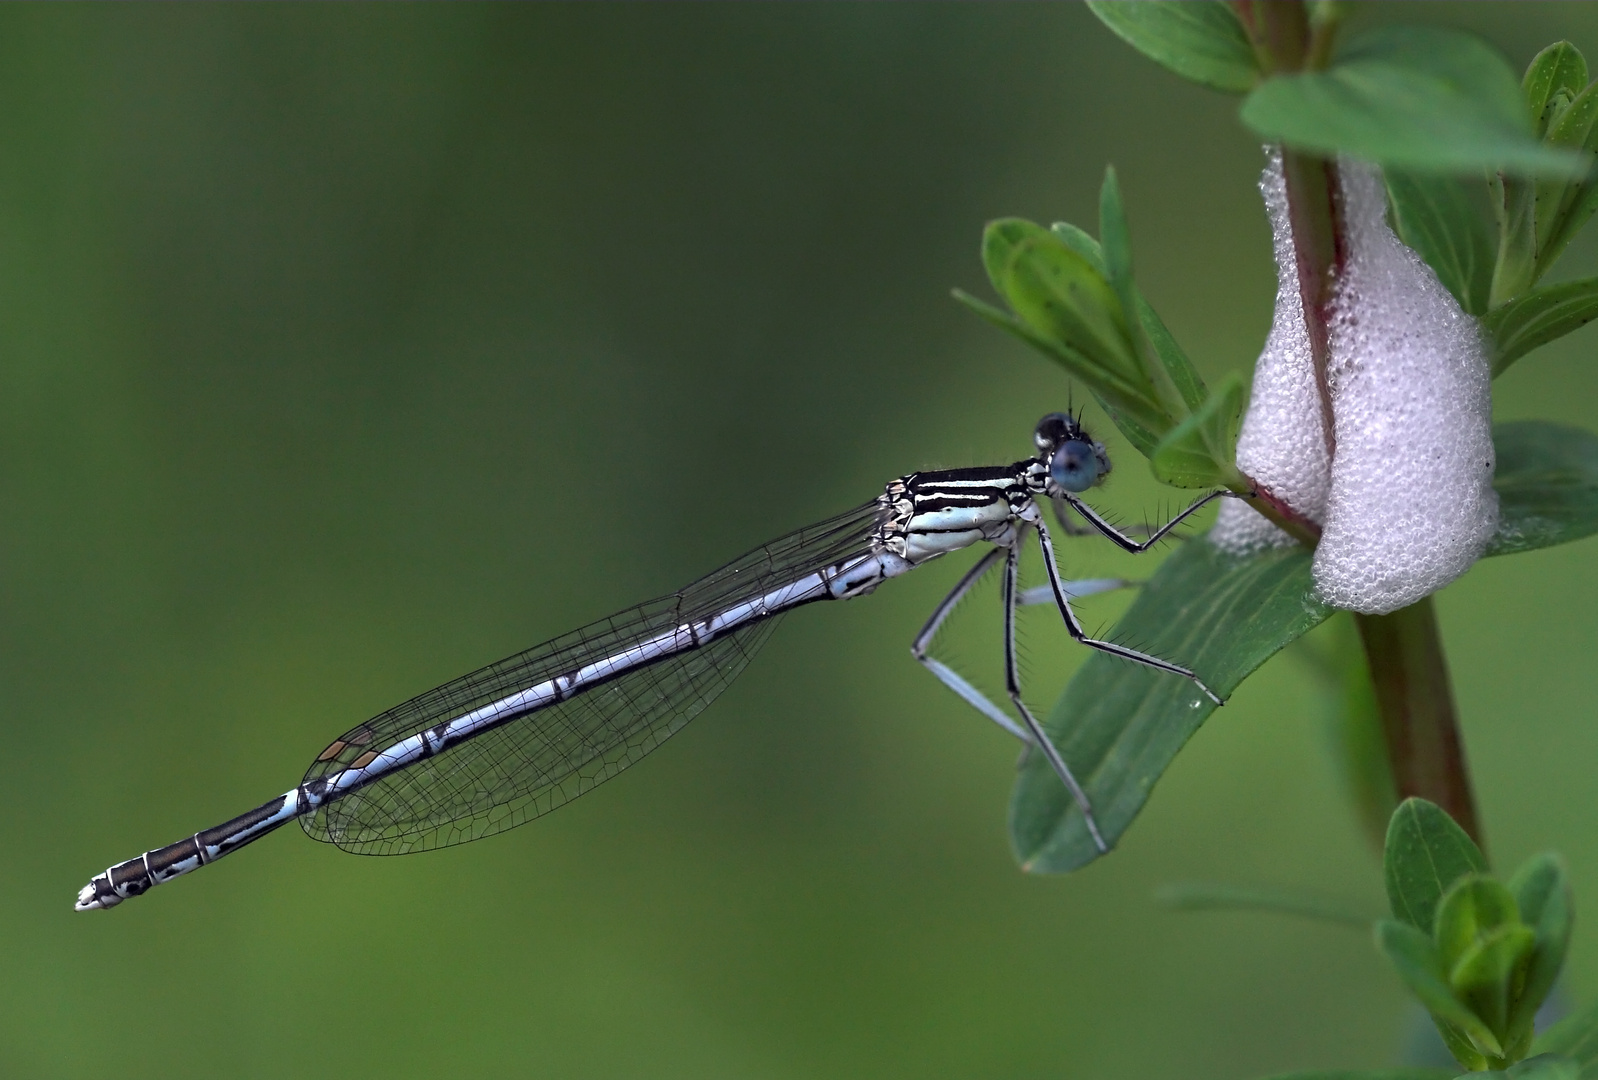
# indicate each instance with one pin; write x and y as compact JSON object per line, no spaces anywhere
{"x":1426,"y":99}
{"x":1538,"y":215}
{"x":1073,"y":299}
{"x":1480,"y":954}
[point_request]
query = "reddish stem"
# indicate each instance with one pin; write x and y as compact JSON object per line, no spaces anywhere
{"x":1417,"y":706}
{"x":1404,"y":648}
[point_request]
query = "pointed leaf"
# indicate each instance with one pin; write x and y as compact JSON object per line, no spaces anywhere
{"x":1449,"y":221}
{"x":1183,"y":375}
{"x":1119,"y":724}
{"x":1426,"y":853}
{"x":1134,"y":417}
{"x":1426,"y":99}
{"x":1484,"y":974}
{"x":1055,"y":292}
{"x":1083,"y":244}
{"x":1198,"y":452}
{"x":1180,"y":368}
{"x":1200,"y":41}
{"x":1543,"y":895}
{"x":1473,"y":906}
{"x":1552,"y":80}
{"x":1115,"y":241}
{"x":1538,"y":317}
{"x":1547,"y":484}
{"x":1563,"y":207}
{"x":1515,"y":206}
{"x":1418,"y":964}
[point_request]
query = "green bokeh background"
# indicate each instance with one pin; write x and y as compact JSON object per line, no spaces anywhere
{"x":345,"y":349}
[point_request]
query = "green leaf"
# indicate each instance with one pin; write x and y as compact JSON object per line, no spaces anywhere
{"x":1547,"y":484}
{"x":1538,"y":317}
{"x":1562,"y":208}
{"x":1425,"y":99}
{"x":1200,"y":41}
{"x":1515,"y":206}
{"x":1209,"y":896}
{"x":1472,"y":906}
{"x":1410,"y":1073}
{"x":1415,"y":957}
{"x":1070,"y":295}
{"x":1137,"y":420}
{"x":1184,"y":376}
{"x":1426,"y":853}
{"x":1119,"y":725}
{"x":1199,"y":452}
{"x":1574,"y":1037}
{"x":1543,"y":894}
{"x":1553,"y":79}
{"x":1449,"y":221}
{"x":1057,"y":293}
{"x":1486,"y":949}
{"x":1064,"y":307}
{"x":1115,"y":240}
{"x":1181,"y":370}
{"x":1484,"y":974}
{"x":1083,"y":244}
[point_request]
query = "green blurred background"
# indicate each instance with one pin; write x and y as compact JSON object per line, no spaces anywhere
{"x":345,"y":349}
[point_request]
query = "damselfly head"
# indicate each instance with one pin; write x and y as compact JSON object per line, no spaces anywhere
{"x":1054,"y":429}
{"x":1075,"y":461}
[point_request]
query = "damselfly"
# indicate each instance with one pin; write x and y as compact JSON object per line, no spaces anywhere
{"x":503,"y":745}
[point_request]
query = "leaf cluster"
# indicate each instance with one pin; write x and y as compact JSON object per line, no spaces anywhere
{"x":1480,"y":954}
{"x":1073,"y":299}
{"x":1422,"y":98}
{"x":1489,"y":176}
{"x":1491,"y":239}
{"x":1069,"y":296}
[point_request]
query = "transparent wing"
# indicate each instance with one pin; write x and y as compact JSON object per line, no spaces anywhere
{"x":511,"y":774}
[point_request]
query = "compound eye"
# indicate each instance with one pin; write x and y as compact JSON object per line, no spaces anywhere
{"x":1074,"y":466}
{"x":1051,"y":430}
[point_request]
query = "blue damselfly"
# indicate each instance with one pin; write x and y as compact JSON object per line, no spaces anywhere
{"x":512,"y":741}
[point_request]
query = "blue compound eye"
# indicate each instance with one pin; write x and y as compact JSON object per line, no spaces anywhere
{"x":1074,"y":466}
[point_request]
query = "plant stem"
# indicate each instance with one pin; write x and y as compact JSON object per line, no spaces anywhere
{"x":1416,"y":700}
{"x":1405,"y":651}
{"x":1278,"y":513}
{"x":1285,"y":42}
{"x":1313,"y":212}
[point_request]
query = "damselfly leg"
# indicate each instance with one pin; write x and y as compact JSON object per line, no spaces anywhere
{"x":947,"y":675}
{"x":1060,"y":593}
{"x":1012,"y":684}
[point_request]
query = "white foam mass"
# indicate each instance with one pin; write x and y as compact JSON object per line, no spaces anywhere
{"x":1281,"y":445}
{"x":1406,"y":503}
{"x":1411,"y":504}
